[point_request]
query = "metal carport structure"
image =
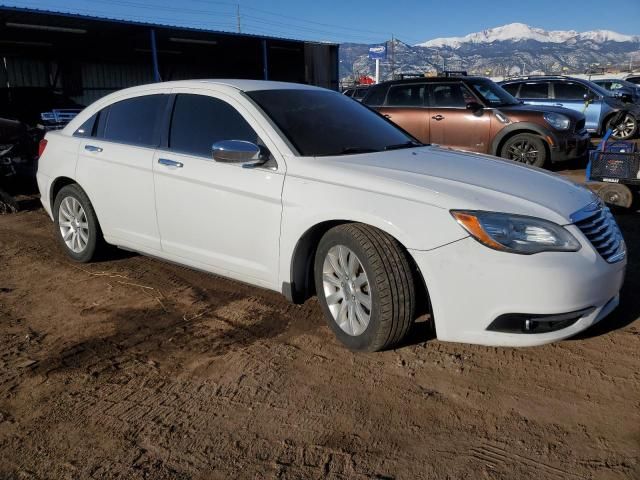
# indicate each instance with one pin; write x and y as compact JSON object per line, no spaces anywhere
{"x":88,"y":57}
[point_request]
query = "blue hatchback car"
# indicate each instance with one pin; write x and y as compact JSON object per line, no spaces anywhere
{"x":598,"y":105}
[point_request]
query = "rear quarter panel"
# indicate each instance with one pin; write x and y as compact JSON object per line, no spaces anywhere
{"x":59,"y":159}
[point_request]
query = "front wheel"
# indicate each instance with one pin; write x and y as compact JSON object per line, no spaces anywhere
{"x":365,"y":287}
{"x":623,"y":128}
{"x":525,"y":148}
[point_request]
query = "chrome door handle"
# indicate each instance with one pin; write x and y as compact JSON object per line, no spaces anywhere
{"x":92,"y":148}
{"x":386,"y":115}
{"x":170,"y":163}
{"x":438,"y":117}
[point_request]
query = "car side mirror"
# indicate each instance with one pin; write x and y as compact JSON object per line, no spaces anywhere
{"x":242,"y":152}
{"x":625,"y":97}
{"x":589,"y":97}
{"x":474,"y":106}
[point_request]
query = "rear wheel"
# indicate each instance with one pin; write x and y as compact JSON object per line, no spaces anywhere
{"x":365,"y":287}
{"x":623,"y":128}
{"x":76,"y":224}
{"x":525,"y":148}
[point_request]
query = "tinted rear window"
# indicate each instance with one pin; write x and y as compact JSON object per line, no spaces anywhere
{"x":135,"y":121}
{"x":411,"y":95}
{"x":321,"y":122}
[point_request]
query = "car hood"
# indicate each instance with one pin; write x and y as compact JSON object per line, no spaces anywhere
{"x":524,"y":109}
{"x":455,"y":180}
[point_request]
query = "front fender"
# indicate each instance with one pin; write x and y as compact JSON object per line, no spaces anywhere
{"x":308,"y":203}
{"x":516,"y":127}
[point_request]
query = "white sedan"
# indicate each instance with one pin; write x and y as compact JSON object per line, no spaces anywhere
{"x":302,"y":190}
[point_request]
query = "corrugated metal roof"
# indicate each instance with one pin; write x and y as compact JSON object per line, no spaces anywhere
{"x":75,"y":17}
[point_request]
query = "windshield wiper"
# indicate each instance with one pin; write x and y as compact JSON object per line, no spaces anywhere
{"x":347,"y":150}
{"x":409,"y":144}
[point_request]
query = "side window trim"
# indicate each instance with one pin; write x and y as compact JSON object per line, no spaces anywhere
{"x":165,"y":123}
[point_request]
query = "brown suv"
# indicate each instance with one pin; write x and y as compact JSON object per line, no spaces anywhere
{"x":475,"y":114}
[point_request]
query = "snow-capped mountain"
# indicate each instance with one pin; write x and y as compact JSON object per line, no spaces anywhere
{"x":508,"y":50}
{"x":518,"y":32}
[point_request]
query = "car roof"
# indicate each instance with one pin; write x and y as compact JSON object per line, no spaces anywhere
{"x":238,"y":84}
{"x":457,"y":78}
{"x":545,"y":78}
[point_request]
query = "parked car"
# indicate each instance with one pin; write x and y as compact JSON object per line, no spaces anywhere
{"x":598,"y":104}
{"x":300,"y":190}
{"x":620,"y":87}
{"x":633,"y":78}
{"x":475,"y":114}
{"x":357,"y":93}
{"x":25,"y":116}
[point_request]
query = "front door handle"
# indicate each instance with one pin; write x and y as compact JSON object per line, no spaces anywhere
{"x":170,"y":163}
{"x":386,"y":115}
{"x":559,"y":104}
{"x":438,"y":117}
{"x":92,"y":148}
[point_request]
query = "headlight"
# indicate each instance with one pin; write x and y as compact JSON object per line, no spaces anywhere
{"x":557,"y":120}
{"x":516,"y":233}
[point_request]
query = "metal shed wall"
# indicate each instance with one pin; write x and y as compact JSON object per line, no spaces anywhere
{"x":87,"y":58}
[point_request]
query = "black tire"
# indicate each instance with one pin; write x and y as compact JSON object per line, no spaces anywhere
{"x":520,"y":148}
{"x":390,"y":286}
{"x":628,"y":127}
{"x":95,"y":241}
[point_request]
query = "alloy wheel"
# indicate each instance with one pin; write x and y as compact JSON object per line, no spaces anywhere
{"x":346,"y":289}
{"x":523,"y":151}
{"x":625,"y":128}
{"x":73,"y":224}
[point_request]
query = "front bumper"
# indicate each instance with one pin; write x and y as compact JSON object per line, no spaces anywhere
{"x":570,"y":146}
{"x":471,"y":285}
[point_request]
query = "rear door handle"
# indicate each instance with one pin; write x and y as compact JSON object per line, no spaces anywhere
{"x":92,"y":148}
{"x":386,"y":115}
{"x":438,"y":117}
{"x":170,"y":163}
{"x":559,"y":104}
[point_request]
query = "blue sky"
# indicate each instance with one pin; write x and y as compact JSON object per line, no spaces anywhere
{"x":369,"y":21}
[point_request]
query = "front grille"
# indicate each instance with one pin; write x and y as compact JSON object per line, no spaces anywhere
{"x":600,"y":228}
{"x":580,"y":125}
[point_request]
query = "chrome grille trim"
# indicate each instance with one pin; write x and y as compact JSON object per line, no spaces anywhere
{"x":597,"y":224}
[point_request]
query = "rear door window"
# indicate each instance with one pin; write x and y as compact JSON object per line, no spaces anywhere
{"x":411,"y":95}
{"x":134,"y":121}
{"x":199,"y":121}
{"x":569,"y":91}
{"x":534,"y":90}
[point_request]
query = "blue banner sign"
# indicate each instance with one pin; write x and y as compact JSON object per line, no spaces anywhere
{"x":378,"y":51}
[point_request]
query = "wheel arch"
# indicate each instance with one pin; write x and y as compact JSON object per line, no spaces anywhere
{"x":301,"y":286}
{"x":499,"y":145}
{"x":57,"y":185}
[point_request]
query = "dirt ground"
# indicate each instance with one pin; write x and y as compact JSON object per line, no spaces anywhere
{"x":136,"y":369}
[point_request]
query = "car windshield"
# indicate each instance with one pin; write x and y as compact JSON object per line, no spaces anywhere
{"x":492,"y":93}
{"x":323,"y":123}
